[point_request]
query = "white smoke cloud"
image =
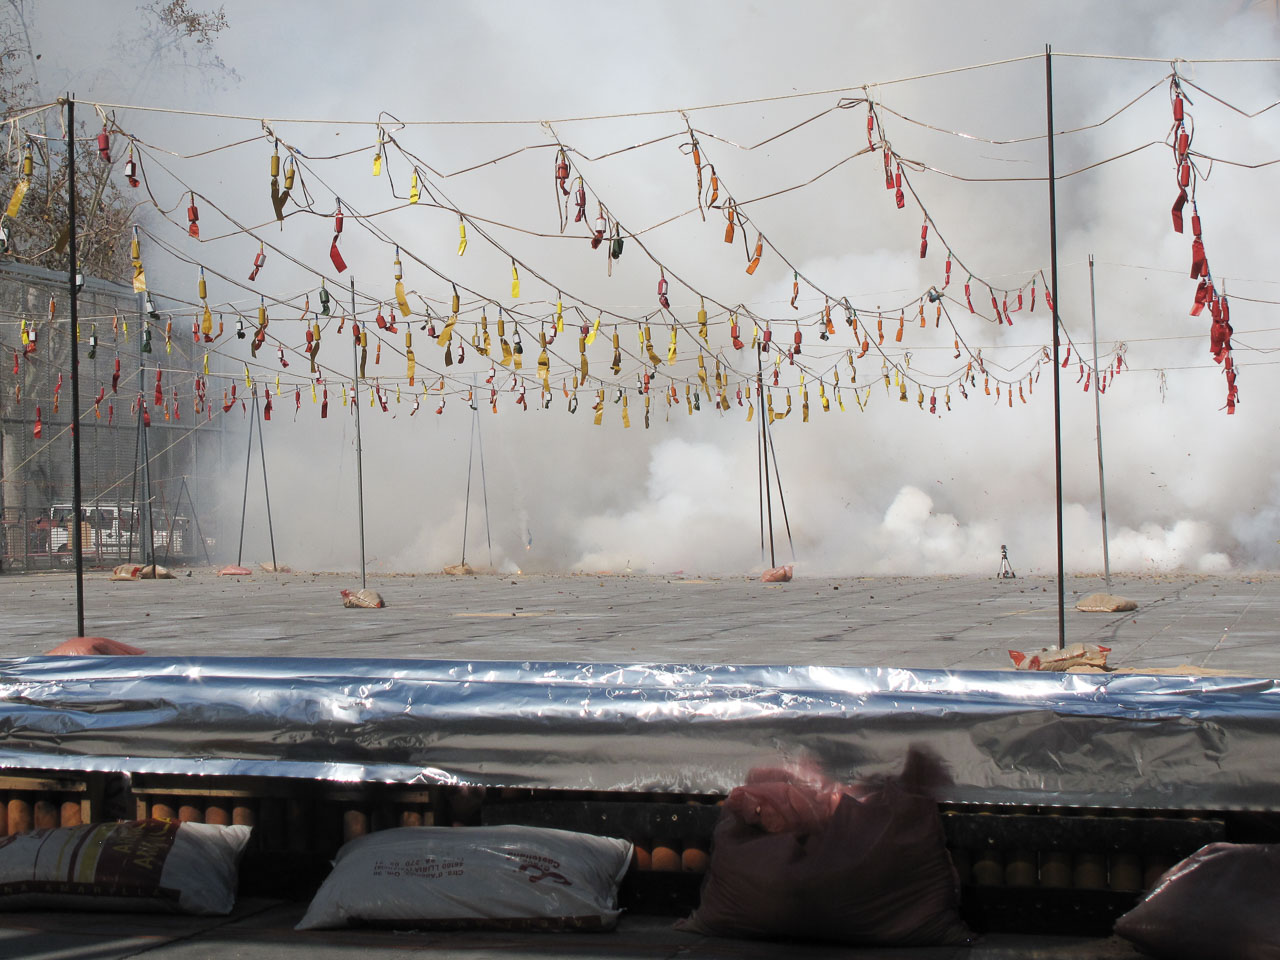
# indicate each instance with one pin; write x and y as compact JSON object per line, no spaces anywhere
{"x":891,"y":490}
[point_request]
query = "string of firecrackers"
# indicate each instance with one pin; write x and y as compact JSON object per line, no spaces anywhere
{"x":561,"y":172}
{"x":229,"y":401}
{"x":560,"y":164}
{"x":693,"y":401}
{"x":1187,"y":174}
{"x":278,"y":203}
{"x":378,"y":155}
{"x":193,"y":218}
{"x":381,"y":398}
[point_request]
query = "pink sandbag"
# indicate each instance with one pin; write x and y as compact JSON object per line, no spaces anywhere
{"x":231,"y":570}
{"x":93,"y":647}
{"x":1219,"y":902}
{"x":875,"y":871}
{"x":778,"y":800}
{"x":777,"y":575}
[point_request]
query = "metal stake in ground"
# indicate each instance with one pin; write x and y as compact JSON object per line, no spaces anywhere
{"x":76,"y":533}
{"x":1057,"y":388}
{"x":1097,"y":424}
{"x":355,"y":399}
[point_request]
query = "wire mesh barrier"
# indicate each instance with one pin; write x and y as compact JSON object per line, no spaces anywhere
{"x":146,"y":468}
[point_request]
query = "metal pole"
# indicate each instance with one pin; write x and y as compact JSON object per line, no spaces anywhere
{"x":1097,"y":424}
{"x":77,"y":533}
{"x":266,"y":491}
{"x":777,"y":476}
{"x":147,"y":546}
{"x":1057,"y":387}
{"x":471,"y":450}
{"x":760,"y":485}
{"x":764,"y":421}
{"x":355,"y":398}
{"x":136,"y":519}
{"x":244,"y":503}
{"x":484,"y":489}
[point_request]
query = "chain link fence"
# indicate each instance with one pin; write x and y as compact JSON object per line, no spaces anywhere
{"x":147,"y":457}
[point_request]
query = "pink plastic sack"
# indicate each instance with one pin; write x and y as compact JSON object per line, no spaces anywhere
{"x":93,"y":647}
{"x":777,"y":575}
{"x":873,"y":869}
{"x":777,"y":800}
{"x":1219,"y":902}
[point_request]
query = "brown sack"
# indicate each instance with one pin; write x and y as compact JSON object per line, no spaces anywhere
{"x":777,"y":575}
{"x":369,"y":599}
{"x":1219,"y":902}
{"x":876,"y":872}
{"x":1105,"y":603}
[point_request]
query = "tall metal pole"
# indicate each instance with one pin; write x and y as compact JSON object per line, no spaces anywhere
{"x":146,"y":527}
{"x":355,"y":398}
{"x":782,"y":499}
{"x":244,"y":503}
{"x":76,"y":532}
{"x":1057,"y":386}
{"x":266,"y":490}
{"x":471,"y":451}
{"x":484,"y":489}
{"x":1097,"y":425}
{"x":764,"y":439}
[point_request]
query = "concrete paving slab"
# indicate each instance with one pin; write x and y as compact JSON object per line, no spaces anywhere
{"x":263,"y":930}
{"x":1222,"y":622}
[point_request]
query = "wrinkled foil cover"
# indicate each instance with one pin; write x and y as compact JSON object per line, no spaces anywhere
{"x":1008,"y":737}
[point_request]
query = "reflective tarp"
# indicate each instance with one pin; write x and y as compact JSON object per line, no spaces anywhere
{"x":1009,"y":737}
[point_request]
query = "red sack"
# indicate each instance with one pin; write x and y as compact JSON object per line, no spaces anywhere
{"x":874,"y":871}
{"x":93,"y":647}
{"x":1219,"y":902}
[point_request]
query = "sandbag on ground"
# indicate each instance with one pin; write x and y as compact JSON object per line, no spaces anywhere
{"x":369,"y":599}
{"x":509,"y":877}
{"x":1219,"y":902}
{"x":93,"y":647}
{"x":134,"y":866}
{"x":863,"y":864}
{"x":777,"y":575}
{"x":234,"y":570}
{"x":138,"y":571}
{"x":1105,"y":603}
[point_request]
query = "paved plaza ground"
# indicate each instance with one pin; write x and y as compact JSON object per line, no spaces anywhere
{"x":1225,"y":623}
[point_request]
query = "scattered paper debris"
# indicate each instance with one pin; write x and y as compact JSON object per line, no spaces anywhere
{"x":1050,"y":659}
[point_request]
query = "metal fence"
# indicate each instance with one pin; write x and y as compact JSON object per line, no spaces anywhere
{"x":141,"y":484}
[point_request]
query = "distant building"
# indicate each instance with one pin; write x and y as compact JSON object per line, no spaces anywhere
{"x":36,"y":472}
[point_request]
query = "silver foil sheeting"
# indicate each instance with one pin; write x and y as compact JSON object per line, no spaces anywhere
{"x":1133,"y":741}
